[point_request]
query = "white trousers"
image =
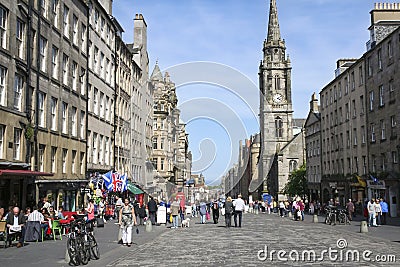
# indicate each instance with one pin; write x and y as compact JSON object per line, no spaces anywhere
{"x":127,"y":235}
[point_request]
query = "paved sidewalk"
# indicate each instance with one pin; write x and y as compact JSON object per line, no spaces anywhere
{"x":52,"y":253}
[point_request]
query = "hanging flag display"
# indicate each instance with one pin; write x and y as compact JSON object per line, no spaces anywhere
{"x":114,"y":181}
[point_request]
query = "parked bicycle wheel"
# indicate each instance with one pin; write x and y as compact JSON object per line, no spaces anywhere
{"x":73,"y":252}
{"x":94,"y":248}
{"x":84,"y":256}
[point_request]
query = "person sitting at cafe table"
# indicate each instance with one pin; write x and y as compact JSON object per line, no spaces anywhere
{"x":60,"y":214}
{"x":52,"y":213}
{"x":15,"y":225}
{"x":2,"y":215}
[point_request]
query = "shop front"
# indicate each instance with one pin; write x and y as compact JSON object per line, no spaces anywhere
{"x":17,"y":187}
{"x":62,"y":193}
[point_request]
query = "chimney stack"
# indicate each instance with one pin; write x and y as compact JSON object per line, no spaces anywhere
{"x":314,"y":104}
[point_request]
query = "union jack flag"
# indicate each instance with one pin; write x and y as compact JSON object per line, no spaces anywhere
{"x":113,"y":181}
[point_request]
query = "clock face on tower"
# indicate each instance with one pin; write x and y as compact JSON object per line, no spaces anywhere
{"x":277,"y":98}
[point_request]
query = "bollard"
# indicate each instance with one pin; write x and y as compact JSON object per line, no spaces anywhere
{"x":67,"y":258}
{"x":363,"y":227}
{"x":149,"y":226}
{"x":315,"y":218}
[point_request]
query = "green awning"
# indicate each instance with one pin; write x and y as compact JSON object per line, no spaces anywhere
{"x":134,"y":189}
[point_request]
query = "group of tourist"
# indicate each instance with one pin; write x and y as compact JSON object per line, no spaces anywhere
{"x":376,"y":211}
{"x":38,"y":219}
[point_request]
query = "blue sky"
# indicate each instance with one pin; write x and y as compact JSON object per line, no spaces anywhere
{"x":212,"y":50}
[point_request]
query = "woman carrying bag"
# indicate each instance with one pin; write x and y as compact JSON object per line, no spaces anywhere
{"x":127,"y":219}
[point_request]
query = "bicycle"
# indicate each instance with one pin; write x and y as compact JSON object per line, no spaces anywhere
{"x":82,"y":245}
{"x":343,"y":217}
{"x":331,"y":215}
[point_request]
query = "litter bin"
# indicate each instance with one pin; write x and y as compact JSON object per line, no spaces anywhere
{"x":162,"y":215}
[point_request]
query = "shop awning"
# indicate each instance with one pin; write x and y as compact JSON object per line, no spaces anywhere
{"x":24,"y":173}
{"x":134,"y":189}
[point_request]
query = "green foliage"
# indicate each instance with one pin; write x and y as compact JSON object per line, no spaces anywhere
{"x":297,"y":183}
{"x":29,"y":132}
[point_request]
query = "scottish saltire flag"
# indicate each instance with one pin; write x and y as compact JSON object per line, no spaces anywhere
{"x":108,"y":180}
{"x":124,"y":179}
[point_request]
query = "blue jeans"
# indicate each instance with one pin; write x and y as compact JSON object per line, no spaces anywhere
{"x":203,"y":218}
{"x":175,"y":220}
{"x":371,"y":219}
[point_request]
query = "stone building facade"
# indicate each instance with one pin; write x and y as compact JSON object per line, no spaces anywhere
{"x":382,"y":77}
{"x":312,"y":130}
{"x":359,"y":114}
{"x":170,"y":154}
{"x":124,"y":75}
{"x":142,"y":109}
{"x":343,"y":132}
{"x":43,"y":60}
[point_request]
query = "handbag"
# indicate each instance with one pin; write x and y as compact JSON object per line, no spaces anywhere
{"x":207,"y":215}
{"x":223,"y":211}
{"x":298,"y":213}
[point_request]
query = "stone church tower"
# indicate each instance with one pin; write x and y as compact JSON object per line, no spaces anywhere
{"x":276,"y":112}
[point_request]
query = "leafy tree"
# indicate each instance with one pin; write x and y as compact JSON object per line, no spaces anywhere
{"x":297,"y":183}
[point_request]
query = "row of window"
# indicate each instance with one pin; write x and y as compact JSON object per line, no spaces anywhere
{"x":384,"y":54}
{"x":69,"y":159}
{"x":16,"y":145}
{"x":337,"y":142}
{"x":338,"y":166}
{"x":18,"y":90}
{"x":101,"y":26}
{"x":46,"y":163}
{"x":79,"y":40}
{"x":335,"y":93}
{"x":101,"y":148}
{"x":100,"y":104}
{"x":159,"y":162}
{"x":104,"y":67}
{"x":70,"y":117}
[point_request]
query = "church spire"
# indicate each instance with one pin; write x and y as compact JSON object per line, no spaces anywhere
{"x":274,"y":33}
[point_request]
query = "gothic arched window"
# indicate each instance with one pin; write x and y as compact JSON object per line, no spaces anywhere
{"x":278,"y":127}
{"x":292,"y":165}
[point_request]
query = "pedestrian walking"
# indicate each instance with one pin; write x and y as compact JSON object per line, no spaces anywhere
{"x":239,"y":208}
{"x":215,"y":211}
{"x":127,"y":219}
{"x":350,"y":209}
{"x":281,"y":208}
{"x":203,"y":211}
{"x":228,"y":212}
{"x":142,"y":214}
{"x":378,"y":212}
{"x":175,"y":214}
{"x":385,"y":210}
{"x":371,"y":213}
{"x":152,"y":207}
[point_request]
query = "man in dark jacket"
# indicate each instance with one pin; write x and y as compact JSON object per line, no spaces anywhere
{"x":228,"y":212}
{"x":215,"y":211}
{"x":15,"y":225}
{"x":152,"y":207}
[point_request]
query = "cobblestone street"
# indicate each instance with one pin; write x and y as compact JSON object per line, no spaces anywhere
{"x":214,"y":245}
